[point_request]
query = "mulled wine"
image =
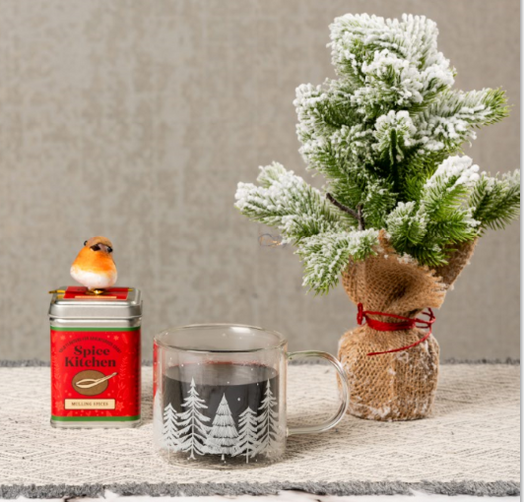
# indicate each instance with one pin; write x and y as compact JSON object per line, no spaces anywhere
{"x":220,"y":408}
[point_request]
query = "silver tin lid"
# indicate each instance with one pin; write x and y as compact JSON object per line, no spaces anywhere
{"x":96,"y":307}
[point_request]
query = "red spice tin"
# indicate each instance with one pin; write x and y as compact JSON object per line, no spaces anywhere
{"x":95,"y":358}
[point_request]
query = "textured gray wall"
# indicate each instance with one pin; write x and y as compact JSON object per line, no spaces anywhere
{"x":136,"y":119}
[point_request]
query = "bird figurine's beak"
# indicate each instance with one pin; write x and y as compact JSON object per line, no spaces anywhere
{"x":102,"y":247}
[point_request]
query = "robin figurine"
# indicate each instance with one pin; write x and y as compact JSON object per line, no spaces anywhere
{"x":94,"y":267}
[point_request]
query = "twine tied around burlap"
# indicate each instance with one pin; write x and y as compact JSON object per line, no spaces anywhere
{"x":385,"y":383}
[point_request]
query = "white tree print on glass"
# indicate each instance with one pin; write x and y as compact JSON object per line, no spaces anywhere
{"x":247,"y":444}
{"x":170,"y":434}
{"x":222,"y":437}
{"x":192,"y":422}
{"x":267,"y":430}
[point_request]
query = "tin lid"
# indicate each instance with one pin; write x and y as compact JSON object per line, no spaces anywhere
{"x":117,"y":303}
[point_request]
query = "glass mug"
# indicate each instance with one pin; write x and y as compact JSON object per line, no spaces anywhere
{"x":219,"y":395}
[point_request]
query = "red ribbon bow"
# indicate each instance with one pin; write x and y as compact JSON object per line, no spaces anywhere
{"x":407,"y":323}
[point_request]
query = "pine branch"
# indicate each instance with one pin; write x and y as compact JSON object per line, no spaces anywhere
{"x":496,"y":201}
{"x":407,"y":227}
{"x":425,"y":229}
{"x":356,"y":214}
{"x":326,"y":255}
{"x":379,"y":201}
{"x":394,"y":64}
{"x":287,"y":202}
{"x":451,"y":119}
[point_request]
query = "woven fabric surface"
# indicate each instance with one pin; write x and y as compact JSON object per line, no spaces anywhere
{"x":472,"y":438}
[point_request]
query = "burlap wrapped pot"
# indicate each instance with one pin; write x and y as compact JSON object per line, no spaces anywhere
{"x":399,"y":385}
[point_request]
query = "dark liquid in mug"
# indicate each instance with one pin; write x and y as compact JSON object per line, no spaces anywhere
{"x":242,"y":385}
{"x":220,"y":410}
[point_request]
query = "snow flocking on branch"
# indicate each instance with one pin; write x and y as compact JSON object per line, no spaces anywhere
{"x":401,"y":123}
{"x":450,"y":120}
{"x":406,"y":66}
{"x":286,"y":201}
{"x":454,"y":171}
{"x":326,"y":256}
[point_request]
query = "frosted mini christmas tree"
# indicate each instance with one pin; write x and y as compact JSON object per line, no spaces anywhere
{"x":385,"y":135}
{"x":401,"y":209}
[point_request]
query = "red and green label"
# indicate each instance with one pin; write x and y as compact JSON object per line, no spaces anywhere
{"x":95,"y":374}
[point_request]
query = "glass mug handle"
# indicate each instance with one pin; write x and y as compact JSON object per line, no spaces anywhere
{"x":344,"y":395}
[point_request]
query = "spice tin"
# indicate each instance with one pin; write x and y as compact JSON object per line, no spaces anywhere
{"x":95,"y":357}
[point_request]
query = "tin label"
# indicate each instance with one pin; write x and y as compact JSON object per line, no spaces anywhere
{"x":95,"y":374}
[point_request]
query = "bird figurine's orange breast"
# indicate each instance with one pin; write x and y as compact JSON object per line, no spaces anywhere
{"x":94,"y":267}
